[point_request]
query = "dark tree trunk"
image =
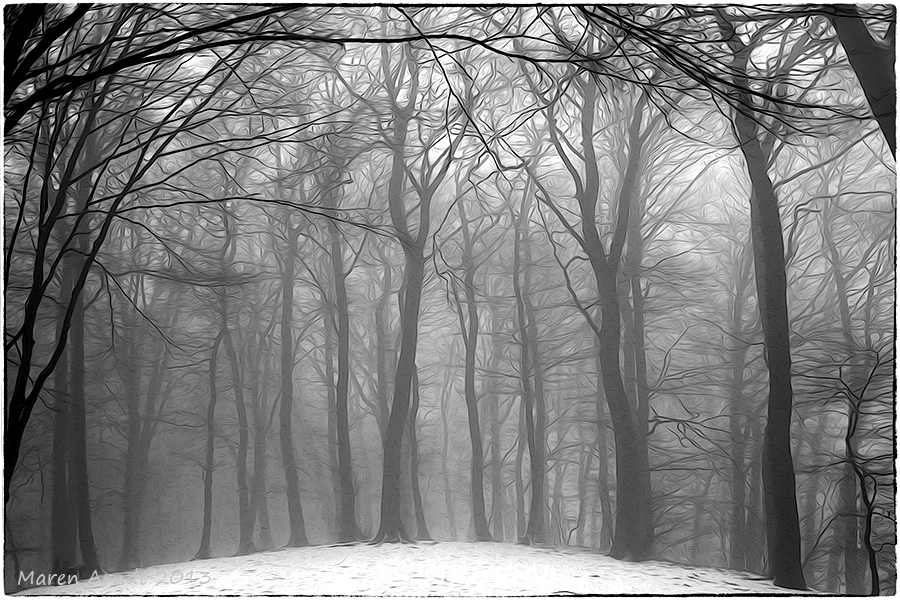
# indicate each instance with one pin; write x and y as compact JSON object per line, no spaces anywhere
{"x":79,"y":477}
{"x":78,"y":469}
{"x":496,"y":446}
{"x":531,"y":378}
{"x":78,"y":258}
{"x":468,"y":323}
{"x":521,"y":445}
{"x":737,"y":416}
{"x":584,"y":471}
{"x":259,"y":505}
{"x":245,"y":515}
{"x":347,"y":517}
{"x":62,"y":516}
{"x":383,"y":363}
{"x":63,"y":519}
{"x":633,"y":531}
{"x":873,"y":63}
{"x":421,"y":525}
{"x":331,"y":398}
{"x":754,"y":553}
{"x":606,"y":531}
{"x":537,"y":516}
{"x":412,"y":239}
{"x":210,"y":466}
{"x":849,"y":524}
{"x":391,"y":529}
{"x":132,"y":379}
{"x":557,"y":524}
{"x":285,"y":427}
{"x":445,"y":451}
{"x":782,"y":520}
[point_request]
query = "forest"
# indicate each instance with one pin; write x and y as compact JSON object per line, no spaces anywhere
{"x":612,"y":277}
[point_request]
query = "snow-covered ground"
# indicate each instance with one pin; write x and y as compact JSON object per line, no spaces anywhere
{"x":425,"y":569}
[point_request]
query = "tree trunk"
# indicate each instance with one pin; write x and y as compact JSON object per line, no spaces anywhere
{"x":209,"y":469}
{"x":285,"y":427}
{"x":63,"y":519}
{"x":557,"y":522}
{"x":496,"y":446}
{"x":849,"y":524}
{"x":606,"y":531}
{"x":79,"y":478}
{"x":245,"y":516}
{"x":527,"y":369}
{"x":521,"y":443}
{"x":756,"y":528}
{"x":78,"y":469}
{"x":779,"y":486}
{"x":537,"y":516}
{"x":470,"y":332}
{"x":331,"y":398}
{"x":21,"y":399}
{"x":383,"y":363}
{"x":132,"y":379}
{"x":259,"y":505}
{"x":873,"y":63}
{"x":421,"y":525}
{"x":737,"y":416}
{"x":445,"y":452}
{"x":347,"y":517}
{"x":810,"y":510}
{"x":632,"y":538}
{"x":584,"y":471}
{"x":391,"y":529}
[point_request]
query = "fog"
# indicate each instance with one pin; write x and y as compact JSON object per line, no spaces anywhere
{"x":616,"y":278}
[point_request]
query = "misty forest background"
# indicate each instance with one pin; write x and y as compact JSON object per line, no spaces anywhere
{"x":618,"y":277}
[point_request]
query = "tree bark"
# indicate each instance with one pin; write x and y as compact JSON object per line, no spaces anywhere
{"x":132,"y":379}
{"x":531,"y":379}
{"x":469,"y":327}
{"x":782,"y":520}
{"x":383,"y":363}
{"x":245,"y":516}
{"x":348,"y":530}
{"x":632,"y":538}
{"x":259,"y":505}
{"x":521,"y":444}
{"x":496,"y":445}
{"x":737,"y":416}
{"x":849,"y":524}
{"x":606,"y":530}
{"x":63,"y":519}
{"x":584,"y":470}
{"x":79,"y":477}
{"x":421,"y":525}
{"x":445,"y":452}
{"x":557,"y":523}
{"x":328,"y":326}
{"x":209,"y":468}
{"x":413,"y":244}
{"x":391,"y":529}
{"x":873,"y":63}
{"x":537,"y":521}
{"x":78,"y":469}
{"x":297,"y":536}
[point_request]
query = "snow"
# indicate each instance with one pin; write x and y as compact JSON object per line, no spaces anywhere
{"x":423,"y":569}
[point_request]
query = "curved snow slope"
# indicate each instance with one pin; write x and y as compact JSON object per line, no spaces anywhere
{"x":424,"y":569}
